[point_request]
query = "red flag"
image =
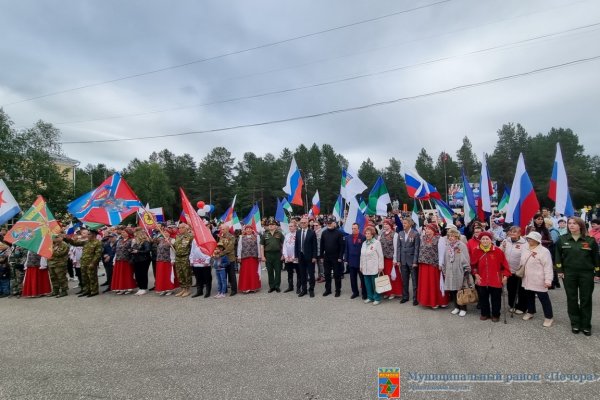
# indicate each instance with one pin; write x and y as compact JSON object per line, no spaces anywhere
{"x":204,"y":239}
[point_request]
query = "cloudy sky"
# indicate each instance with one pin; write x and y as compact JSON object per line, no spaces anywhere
{"x":113,"y":69}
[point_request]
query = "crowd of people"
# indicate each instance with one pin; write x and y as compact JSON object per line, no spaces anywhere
{"x":439,"y":260}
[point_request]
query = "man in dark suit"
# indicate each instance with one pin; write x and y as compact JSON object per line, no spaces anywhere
{"x":306,"y":252}
{"x":352,"y":246}
{"x":332,"y":252}
{"x":407,"y":256}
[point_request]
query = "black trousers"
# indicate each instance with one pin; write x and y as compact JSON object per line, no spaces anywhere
{"x":70,"y":268}
{"x":108,"y":267}
{"x":140,"y":270}
{"x":306,"y":275}
{"x":231,"y":278}
{"x":332,"y":265}
{"x":485,"y":294}
{"x":452,"y":295}
{"x":354,"y":274}
{"x":203,"y":278}
{"x":544,"y":299}
{"x":290,"y":268}
{"x":516,"y":293}
{"x":409,"y":273}
{"x":78,"y":275}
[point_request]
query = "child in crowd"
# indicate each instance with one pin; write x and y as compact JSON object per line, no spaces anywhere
{"x":219,"y":263}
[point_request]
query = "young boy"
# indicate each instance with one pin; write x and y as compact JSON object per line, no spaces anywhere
{"x":219,"y":263}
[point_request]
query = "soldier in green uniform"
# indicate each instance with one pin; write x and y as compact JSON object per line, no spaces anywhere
{"x":16,"y":260}
{"x":271,"y":245}
{"x":90,"y":258}
{"x":183,"y":246}
{"x":577,"y":260}
{"x":57,"y":266}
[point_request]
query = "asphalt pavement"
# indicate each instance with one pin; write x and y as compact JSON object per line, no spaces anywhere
{"x":279,"y":346}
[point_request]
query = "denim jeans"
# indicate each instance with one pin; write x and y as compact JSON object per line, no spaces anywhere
{"x":5,"y":286}
{"x":222,"y":280}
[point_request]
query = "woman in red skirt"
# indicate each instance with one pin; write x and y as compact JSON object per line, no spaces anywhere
{"x":247,"y":253}
{"x":165,"y":275}
{"x":429,"y":292}
{"x":387,"y":238}
{"x":37,"y":279}
{"x":122,"y":279}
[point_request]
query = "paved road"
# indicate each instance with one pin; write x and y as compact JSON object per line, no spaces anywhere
{"x":276,"y":346}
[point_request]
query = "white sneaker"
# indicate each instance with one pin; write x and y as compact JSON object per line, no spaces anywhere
{"x":376,"y":302}
{"x":527,"y":317}
{"x":141,"y":292}
{"x":168,"y":293}
{"x":518,"y":312}
{"x":367,"y":301}
{"x":548,"y":322}
{"x":392,"y":297}
{"x":462,"y":313}
{"x":455,"y":311}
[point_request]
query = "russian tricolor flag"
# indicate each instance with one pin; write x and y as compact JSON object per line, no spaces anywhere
{"x":293,"y":184}
{"x":523,"y":203}
{"x":316,"y":204}
{"x":559,"y":188}
{"x":419,"y":188}
{"x":486,"y":190}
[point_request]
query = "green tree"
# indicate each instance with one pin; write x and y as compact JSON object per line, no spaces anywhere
{"x":446,"y":172}
{"x":424,"y":165}
{"x":467,"y":160}
{"x":395,"y":181}
{"x":512,"y":140}
{"x":368,"y":174}
{"x":215,"y":178}
{"x":151,"y":184}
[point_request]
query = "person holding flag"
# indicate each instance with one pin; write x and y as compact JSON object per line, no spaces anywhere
{"x":183,"y":246}
{"x":90,"y":258}
{"x":57,"y":266}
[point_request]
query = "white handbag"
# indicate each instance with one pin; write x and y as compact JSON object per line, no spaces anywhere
{"x":382,"y":284}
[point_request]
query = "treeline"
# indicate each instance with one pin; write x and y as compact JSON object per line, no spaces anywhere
{"x":25,"y":164}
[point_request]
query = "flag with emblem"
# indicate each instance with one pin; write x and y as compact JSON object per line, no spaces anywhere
{"x":8,"y":205}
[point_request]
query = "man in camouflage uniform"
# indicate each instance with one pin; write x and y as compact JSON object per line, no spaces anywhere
{"x":16,"y":260}
{"x":227,"y":240}
{"x":57,"y":266}
{"x":183,"y":246}
{"x":271,"y":245}
{"x":90,"y":258}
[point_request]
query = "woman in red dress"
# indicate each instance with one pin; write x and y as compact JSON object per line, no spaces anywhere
{"x":429,"y":291}
{"x":247,"y":253}
{"x":388,"y":239}
{"x":37,"y":279}
{"x":122,"y":279}
{"x":165,"y":275}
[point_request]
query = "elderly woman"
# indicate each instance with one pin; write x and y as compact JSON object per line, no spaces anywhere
{"x":371,"y":264}
{"x":429,"y":290}
{"x":248,"y":252}
{"x":122,"y":279}
{"x":456,"y":267}
{"x":538,"y":277}
{"x":491,"y":272}
{"x":166,"y":281}
{"x":577,"y":259}
{"x":513,"y":247}
{"x":388,"y":239}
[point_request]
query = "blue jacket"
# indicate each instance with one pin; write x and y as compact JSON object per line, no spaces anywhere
{"x":352,"y":250}
{"x":220,"y":262}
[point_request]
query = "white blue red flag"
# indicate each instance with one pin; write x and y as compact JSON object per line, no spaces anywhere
{"x":523,"y":203}
{"x":559,"y":188}
{"x":316,"y":205}
{"x":293,"y":184}
{"x":419,"y":188}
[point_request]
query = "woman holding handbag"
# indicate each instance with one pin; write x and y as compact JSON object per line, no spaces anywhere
{"x":429,"y":288}
{"x":388,"y":239}
{"x":537,"y":261}
{"x":456,"y":267}
{"x":371,"y":264}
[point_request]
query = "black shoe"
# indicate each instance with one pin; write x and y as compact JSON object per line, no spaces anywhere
{"x":207,"y":294}
{"x":311,"y":293}
{"x":353,"y":296}
{"x":575,"y":330}
{"x":403,"y":301}
{"x":337,"y":294}
{"x":301,"y":294}
{"x":92,"y":294}
{"x":415,"y":303}
{"x":288,"y":290}
{"x":63,"y":294}
{"x":82,"y":294}
{"x":298,"y":291}
{"x":152,"y":288}
{"x":326,"y":293}
{"x":81,"y":291}
{"x":105,"y":284}
{"x":232,"y":294}
{"x":587,"y":333}
{"x":106,"y":290}
{"x":278,"y":290}
{"x":271,"y":290}
{"x":198,"y":294}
